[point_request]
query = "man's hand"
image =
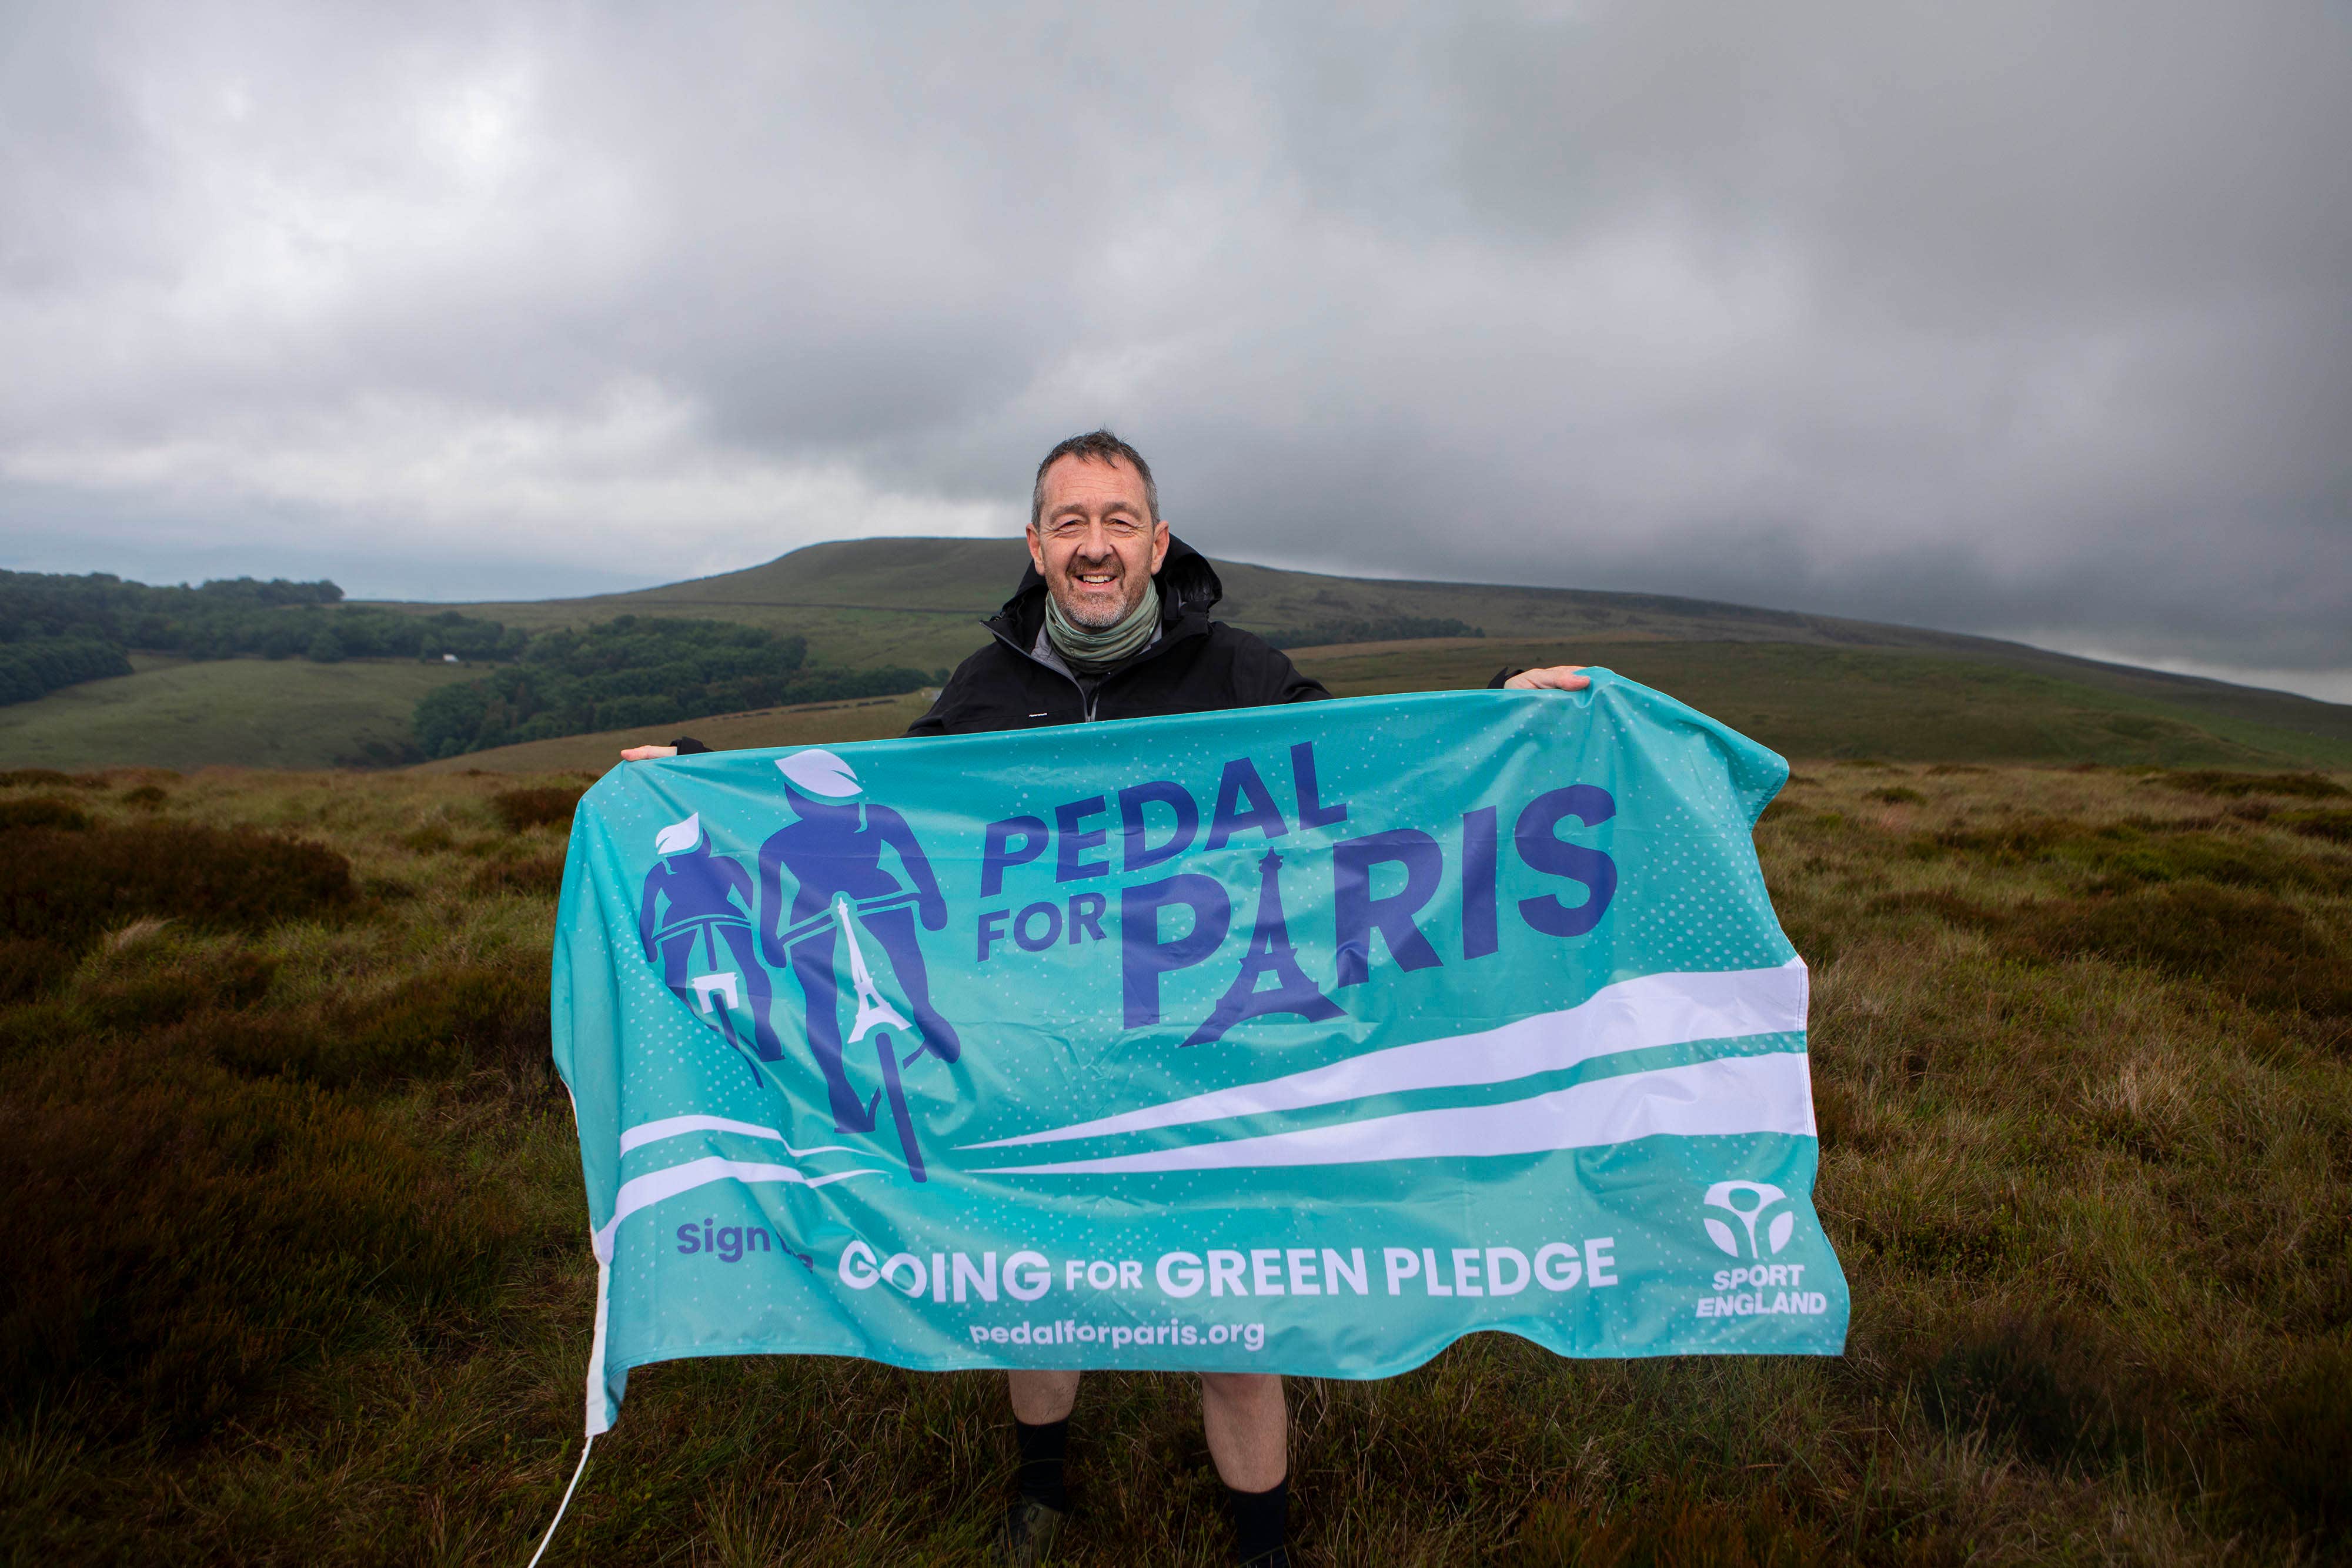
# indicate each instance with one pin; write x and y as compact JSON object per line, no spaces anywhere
{"x":648,"y":753}
{"x":1556,"y":678}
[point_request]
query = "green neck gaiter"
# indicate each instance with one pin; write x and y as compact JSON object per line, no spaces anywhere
{"x":1090,"y":652}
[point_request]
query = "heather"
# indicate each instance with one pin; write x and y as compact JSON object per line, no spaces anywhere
{"x":299,"y":1270}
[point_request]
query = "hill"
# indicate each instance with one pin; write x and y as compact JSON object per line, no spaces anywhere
{"x":1809,"y":685}
{"x":913,"y":601}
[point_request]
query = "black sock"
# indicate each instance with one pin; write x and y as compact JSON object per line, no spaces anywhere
{"x":1041,"y":1460}
{"x":1258,"y":1519}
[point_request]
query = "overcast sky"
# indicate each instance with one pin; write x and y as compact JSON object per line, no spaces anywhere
{"x":2031,"y":319}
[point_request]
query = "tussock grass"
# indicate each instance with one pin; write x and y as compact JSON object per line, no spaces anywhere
{"x":29,"y":968}
{"x":42,"y":811}
{"x":48,"y":777}
{"x":540,"y":875}
{"x":66,"y":882}
{"x":2336,"y":826}
{"x":546,"y":806}
{"x":201,"y":1236}
{"x":2220,"y":781}
{"x":1669,"y":1527}
{"x":299,"y":1270}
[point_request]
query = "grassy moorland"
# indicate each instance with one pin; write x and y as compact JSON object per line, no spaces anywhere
{"x":1900,"y":705}
{"x":295,"y":1270}
{"x":804,"y":724}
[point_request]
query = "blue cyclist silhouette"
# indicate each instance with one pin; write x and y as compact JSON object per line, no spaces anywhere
{"x":834,"y":851}
{"x":697,"y":919}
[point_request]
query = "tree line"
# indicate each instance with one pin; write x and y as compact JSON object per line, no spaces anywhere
{"x":634,"y":673}
{"x":59,"y":630}
{"x":39,"y":665}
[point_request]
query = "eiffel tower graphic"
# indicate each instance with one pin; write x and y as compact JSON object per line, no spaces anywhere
{"x":1270,"y":953}
{"x":872,"y":1013}
{"x":871,"y":1008}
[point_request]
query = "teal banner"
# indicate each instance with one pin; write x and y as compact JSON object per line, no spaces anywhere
{"x":1301,"y":1039}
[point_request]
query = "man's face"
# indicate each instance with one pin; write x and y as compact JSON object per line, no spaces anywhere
{"x":1094,"y":543}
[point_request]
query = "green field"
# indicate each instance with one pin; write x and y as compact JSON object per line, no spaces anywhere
{"x":297,"y":1269}
{"x":251,"y":713}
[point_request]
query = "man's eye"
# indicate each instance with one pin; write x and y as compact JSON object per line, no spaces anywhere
{"x":1075,"y":528}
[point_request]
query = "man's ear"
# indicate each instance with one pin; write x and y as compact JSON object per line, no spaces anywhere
{"x":1037,"y":554}
{"x":1159,"y":545}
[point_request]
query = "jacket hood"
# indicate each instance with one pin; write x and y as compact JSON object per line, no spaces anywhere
{"x":1188,"y":585}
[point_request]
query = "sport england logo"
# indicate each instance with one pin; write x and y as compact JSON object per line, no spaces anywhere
{"x":1757,"y":1289}
{"x":1772,"y":1289}
{"x":1747,"y":1202}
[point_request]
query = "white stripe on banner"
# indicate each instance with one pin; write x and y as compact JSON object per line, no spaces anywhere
{"x":1649,"y":1010}
{"x":645,"y":1132}
{"x":645,"y":1191}
{"x":1726,"y":1095}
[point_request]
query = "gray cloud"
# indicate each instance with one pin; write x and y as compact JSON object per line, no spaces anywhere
{"x":1996,"y":318}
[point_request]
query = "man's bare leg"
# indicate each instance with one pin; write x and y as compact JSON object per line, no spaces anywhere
{"x":1248,"y":1427}
{"x":1041,"y":1398}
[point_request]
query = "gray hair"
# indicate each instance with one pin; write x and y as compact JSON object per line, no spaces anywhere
{"x":1094,"y":447}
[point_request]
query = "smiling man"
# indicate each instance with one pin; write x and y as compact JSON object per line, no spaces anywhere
{"x":1111,"y":620}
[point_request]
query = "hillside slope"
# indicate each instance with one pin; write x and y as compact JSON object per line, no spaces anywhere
{"x":1811,"y":685}
{"x":914,"y":602}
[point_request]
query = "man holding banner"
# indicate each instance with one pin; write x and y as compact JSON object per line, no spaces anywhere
{"x":1521,"y":951}
{"x":1111,"y":622}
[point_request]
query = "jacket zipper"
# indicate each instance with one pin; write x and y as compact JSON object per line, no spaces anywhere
{"x":1087,"y":700}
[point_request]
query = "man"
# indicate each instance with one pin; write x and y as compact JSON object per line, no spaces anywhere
{"x":1111,"y":620}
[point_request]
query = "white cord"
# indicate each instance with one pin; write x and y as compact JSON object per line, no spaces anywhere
{"x":565,"y":1503}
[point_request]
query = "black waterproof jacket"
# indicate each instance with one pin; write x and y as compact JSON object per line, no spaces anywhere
{"x":1196,"y":665}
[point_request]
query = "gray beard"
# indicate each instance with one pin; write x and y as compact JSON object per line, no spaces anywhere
{"x":1099,"y":621}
